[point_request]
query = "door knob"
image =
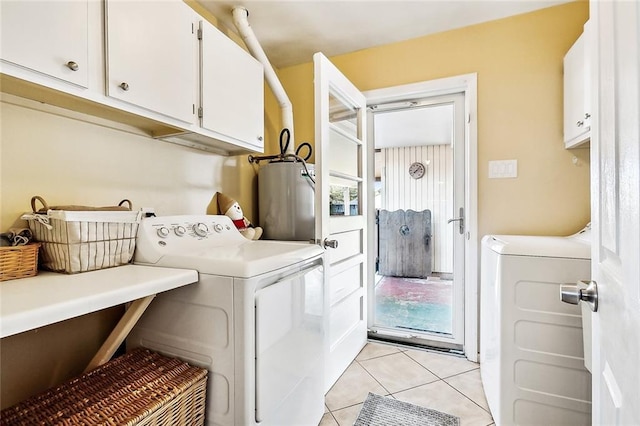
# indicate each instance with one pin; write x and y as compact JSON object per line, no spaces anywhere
{"x":586,"y":291}
{"x":72,"y":66}
{"x":124,"y":86}
{"x":330,"y":243}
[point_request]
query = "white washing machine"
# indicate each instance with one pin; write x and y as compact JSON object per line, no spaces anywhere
{"x":531,"y":343}
{"x":255,"y":319}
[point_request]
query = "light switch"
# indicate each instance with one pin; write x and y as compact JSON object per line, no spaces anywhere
{"x":501,"y":169}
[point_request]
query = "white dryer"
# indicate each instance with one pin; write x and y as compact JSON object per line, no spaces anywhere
{"x":255,"y":319}
{"x":531,"y":343}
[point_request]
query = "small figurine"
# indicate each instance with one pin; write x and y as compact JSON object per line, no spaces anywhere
{"x":230,"y":207}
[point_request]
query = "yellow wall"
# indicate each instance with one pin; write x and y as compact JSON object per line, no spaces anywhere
{"x":519,"y":66}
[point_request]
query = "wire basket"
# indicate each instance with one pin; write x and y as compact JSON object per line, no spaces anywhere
{"x":84,"y":240}
{"x":18,"y":261}
{"x":139,"y":388}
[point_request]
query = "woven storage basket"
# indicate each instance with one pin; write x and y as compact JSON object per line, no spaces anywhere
{"x":18,"y":261}
{"x":139,"y":388}
{"x":84,"y":240}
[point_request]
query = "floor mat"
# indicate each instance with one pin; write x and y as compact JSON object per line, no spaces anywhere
{"x":386,"y":411}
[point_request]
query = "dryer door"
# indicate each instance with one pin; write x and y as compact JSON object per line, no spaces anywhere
{"x":289,"y":350}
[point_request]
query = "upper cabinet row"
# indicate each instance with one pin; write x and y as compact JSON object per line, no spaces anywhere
{"x":577,"y":93}
{"x":157,"y":63}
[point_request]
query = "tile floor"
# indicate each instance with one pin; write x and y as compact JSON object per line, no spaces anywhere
{"x":438,"y":381}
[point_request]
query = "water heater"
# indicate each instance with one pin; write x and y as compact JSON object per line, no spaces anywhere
{"x":286,"y":201}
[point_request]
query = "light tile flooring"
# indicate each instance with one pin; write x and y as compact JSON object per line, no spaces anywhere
{"x":438,"y":381}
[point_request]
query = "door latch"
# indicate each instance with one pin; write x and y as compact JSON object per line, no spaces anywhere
{"x":585,"y":291}
{"x":327,"y":243}
{"x":460,"y":220}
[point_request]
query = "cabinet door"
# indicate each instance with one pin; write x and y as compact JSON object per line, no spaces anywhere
{"x":151,"y":55}
{"x":576,"y":116}
{"x":49,"y":37}
{"x":232,"y":84}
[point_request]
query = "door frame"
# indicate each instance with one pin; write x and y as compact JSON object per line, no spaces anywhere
{"x":466,"y":84}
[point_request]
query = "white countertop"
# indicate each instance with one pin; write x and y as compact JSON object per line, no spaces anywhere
{"x":47,"y":298}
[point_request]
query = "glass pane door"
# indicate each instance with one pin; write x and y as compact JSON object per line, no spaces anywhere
{"x":419,"y":194}
{"x":340,"y":211}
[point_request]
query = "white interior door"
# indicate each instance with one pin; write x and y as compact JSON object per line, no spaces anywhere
{"x":615,"y":153}
{"x":340,"y":115}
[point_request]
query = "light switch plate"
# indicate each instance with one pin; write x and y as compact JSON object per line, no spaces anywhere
{"x":501,"y":169}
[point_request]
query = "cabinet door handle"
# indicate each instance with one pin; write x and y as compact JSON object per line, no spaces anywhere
{"x":72,"y":66}
{"x":580,"y":123}
{"x":124,"y":86}
{"x":587,"y":115}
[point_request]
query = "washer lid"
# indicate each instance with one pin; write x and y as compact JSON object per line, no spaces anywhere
{"x":524,"y":245}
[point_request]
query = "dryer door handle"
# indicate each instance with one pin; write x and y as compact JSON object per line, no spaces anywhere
{"x":298,"y":274}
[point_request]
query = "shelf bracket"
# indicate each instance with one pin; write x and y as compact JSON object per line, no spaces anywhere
{"x":120,"y":332}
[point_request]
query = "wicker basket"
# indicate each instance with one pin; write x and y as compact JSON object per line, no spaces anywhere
{"x":18,"y":261}
{"x":139,"y":388}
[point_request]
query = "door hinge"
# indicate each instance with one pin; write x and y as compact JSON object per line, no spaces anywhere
{"x":377,"y":217}
{"x":199,"y":33}
{"x":200,"y":112}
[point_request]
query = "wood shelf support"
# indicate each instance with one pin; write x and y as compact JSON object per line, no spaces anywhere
{"x":120,"y":332}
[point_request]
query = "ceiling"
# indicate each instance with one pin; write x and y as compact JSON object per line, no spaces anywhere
{"x":291,"y":31}
{"x":431,"y":125}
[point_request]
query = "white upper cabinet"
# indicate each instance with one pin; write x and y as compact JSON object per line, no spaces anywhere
{"x":151,"y":56}
{"x":232,"y":85}
{"x":577,"y":110}
{"x":145,"y":67}
{"x":48,"y":37}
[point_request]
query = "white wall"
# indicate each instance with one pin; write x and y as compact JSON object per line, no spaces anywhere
{"x":434,"y":192}
{"x":67,"y":161}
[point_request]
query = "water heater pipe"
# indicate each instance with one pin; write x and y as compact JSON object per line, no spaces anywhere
{"x":241,"y":21}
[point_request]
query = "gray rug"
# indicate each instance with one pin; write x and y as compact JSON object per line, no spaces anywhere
{"x":385,"y":411}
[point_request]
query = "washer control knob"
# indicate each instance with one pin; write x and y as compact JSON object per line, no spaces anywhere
{"x":163,"y":232}
{"x":180,"y":230}
{"x":200,"y":229}
{"x":218,"y":228}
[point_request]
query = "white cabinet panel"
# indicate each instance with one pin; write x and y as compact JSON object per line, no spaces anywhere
{"x":151,"y":48}
{"x":232,"y":88}
{"x":50,"y":37}
{"x":577,"y":111}
{"x":345,"y":283}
